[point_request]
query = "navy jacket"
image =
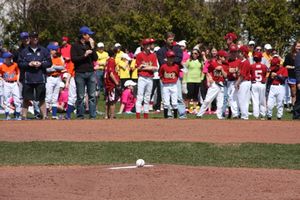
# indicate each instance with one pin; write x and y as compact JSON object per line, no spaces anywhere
{"x":161,"y":55}
{"x":297,"y":67}
{"x":34,"y":75}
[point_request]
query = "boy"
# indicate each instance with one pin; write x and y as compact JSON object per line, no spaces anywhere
{"x":277,"y":77}
{"x":258,"y":91}
{"x":112,"y":82}
{"x":10,"y":72}
{"x":169,"y":73}
{"x":217,"y":72}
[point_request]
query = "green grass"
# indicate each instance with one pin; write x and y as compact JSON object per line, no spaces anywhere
{"x":183,"y":153}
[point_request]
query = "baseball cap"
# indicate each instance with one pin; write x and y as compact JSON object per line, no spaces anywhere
{"x":7,"y":55}
{"x":182,"y":43}
{"x":24,"y":35}
{"x":275,"y":61}
{"x":100,"y":44}
{"x":152,"y":40}
{"x":129,"y":83}
{"x":244,"y":49}
{"x":33,"y":34}
{"x":85,"y":30}
{"x":230,"y":35}
{"x":222,"y":53}
{"x":156,"y":48}
{"x":257,"y":55}
{"x":268,"y":46}
{"x":65,"y":38}
{"x":126,"y":56}
{"x":170,"y":53}
{"x":251,"y":42}
{"x":117,"y":45}
{"x":52,"y":47}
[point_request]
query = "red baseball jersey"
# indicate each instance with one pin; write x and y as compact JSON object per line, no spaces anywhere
{"x":110,"y":68}
{"x":281,"y":72}
{"x":244,"y":69}
{"x":258,"y":72}
{"x":169,"y":74}
{"x":233,"y":68}
{"x":148,"y":59}
{"x":217,"y":74}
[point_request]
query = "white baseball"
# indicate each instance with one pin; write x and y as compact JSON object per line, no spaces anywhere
{"x":140,"y":163}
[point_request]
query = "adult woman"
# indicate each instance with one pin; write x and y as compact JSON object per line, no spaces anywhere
{"x":289,"y":64}
{"x":194,"y":78}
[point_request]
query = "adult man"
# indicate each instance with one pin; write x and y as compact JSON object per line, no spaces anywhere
{"x":296,"y":114}
{"x":83,"y":55}
{"x":161,"y":55}
{"x":34,"y":60}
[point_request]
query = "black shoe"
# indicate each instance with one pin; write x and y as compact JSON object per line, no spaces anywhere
{"x":269,"y":118}
{"x":278,"y":118}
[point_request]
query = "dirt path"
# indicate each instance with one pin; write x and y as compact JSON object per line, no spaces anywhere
{"x":152,"y":130}
{"x":159,"y":182}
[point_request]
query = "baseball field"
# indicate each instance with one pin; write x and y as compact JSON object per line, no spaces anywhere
{"x":185,"y":159}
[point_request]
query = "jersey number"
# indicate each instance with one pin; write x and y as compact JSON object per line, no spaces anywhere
{"x":258,"y":75}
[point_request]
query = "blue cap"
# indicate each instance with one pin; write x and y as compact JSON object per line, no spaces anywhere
{"x":86,"y":30}
{"x":52,"y":47}
{"x":24,"y":35}
{"x":7,"y":55}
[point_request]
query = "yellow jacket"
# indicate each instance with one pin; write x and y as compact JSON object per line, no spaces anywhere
{"x":134,"y":74}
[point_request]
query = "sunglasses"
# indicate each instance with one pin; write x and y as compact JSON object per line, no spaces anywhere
{"x":258,"y":49}
{"x":195,"y":53}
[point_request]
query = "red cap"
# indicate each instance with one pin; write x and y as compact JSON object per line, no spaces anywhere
{"x":244,"y":49}
{"x":170,"y":53}
{"x":65,"y":38}
{"x":152,"y":40}
{"x":233,"y":48}
{"x":275,"y":61}
{"x":257,"y":55}
{"x":148,"y":41}
{"x":230,"y":35}
{"x":222,"y":53}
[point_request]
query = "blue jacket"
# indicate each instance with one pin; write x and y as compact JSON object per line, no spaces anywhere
{"x":161,"y":55}
{"x":34,"y":75}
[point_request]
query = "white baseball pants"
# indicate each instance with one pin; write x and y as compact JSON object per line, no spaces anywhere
{"x":258,"y":94}
{"x":244,"y":95}
{"x":11,"y":90}
{"x":232,"y":98}
{"x":72,"y":96}
{"x":143,"y":93}
{"x":52,"y":91}
{"x":214,"y":91}
{"x":170,"y":92}
{"x":276,"y":96}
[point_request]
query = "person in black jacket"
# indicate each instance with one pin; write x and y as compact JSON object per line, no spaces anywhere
{"x":296,"y":111}
{"x":83,"y":55}
{"x":34,"y":60}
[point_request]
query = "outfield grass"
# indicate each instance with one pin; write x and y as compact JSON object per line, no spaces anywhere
{"x":285,"y":156}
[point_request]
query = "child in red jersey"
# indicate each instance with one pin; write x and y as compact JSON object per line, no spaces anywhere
{"x":112,"y":82}
{"x":258,"y":88}
{"x":278,"y":75}
{"x":169,"y":74}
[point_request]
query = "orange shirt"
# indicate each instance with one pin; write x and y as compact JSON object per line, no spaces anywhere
{"x":58,"y":61}
{"x":10,"y":73}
